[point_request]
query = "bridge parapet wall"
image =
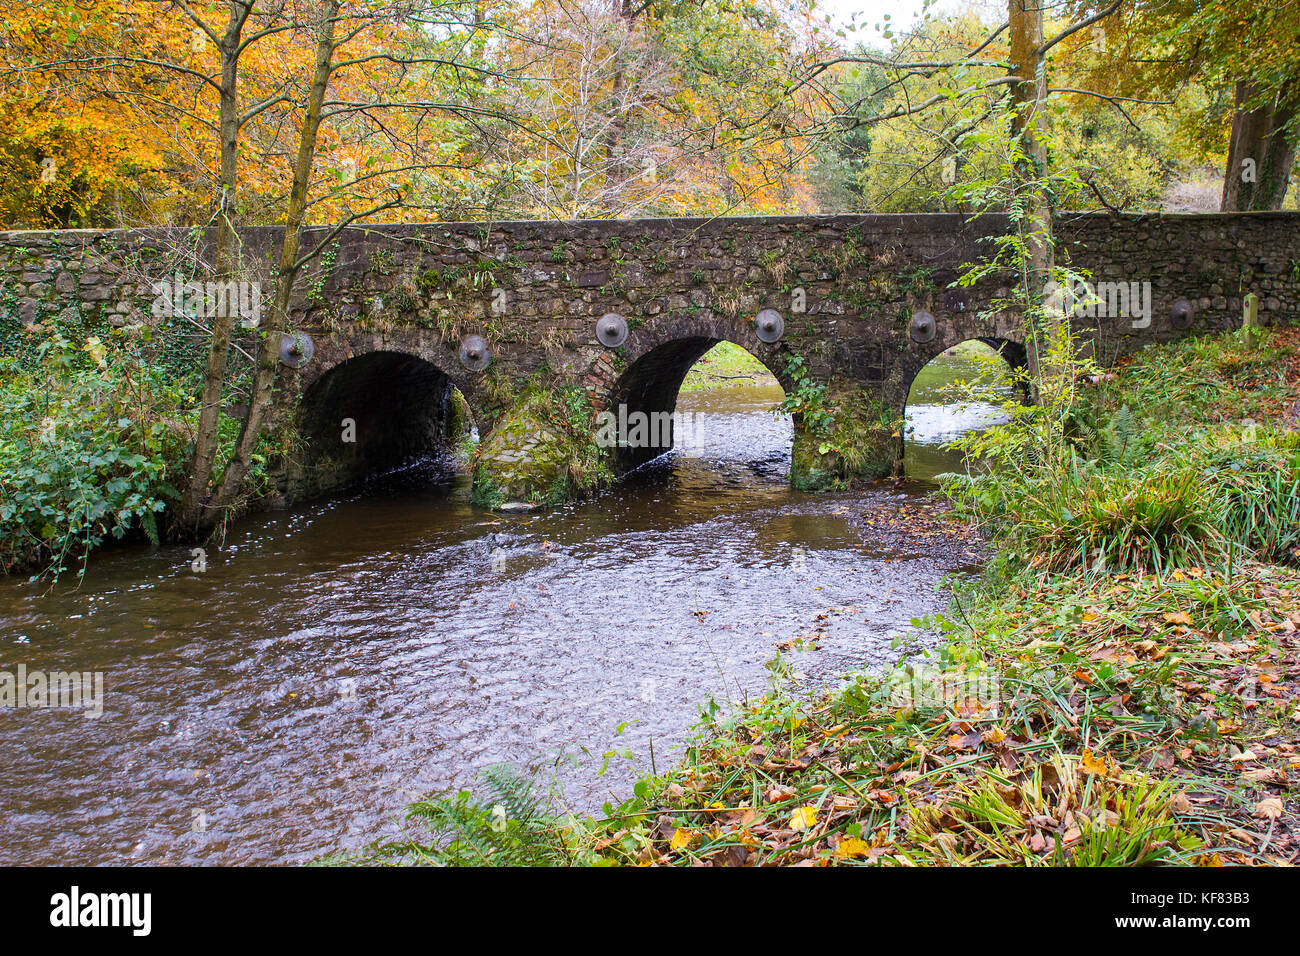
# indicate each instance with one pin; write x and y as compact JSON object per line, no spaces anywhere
{"x":846,"y":285}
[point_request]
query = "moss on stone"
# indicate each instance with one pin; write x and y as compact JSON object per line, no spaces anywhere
{"x":542,"y":451}
{"x":857,"y":438}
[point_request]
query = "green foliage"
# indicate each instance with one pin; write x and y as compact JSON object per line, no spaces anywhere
{"x":575,"y":465}
{"x":1071,"y":516}
{"x":725,"y":365}
{"x":486,"y":493}
{"x":1254,"y":496}
{"x":512,"y":825}
{"x":1174,"y":486}
{"x":839,"y":438}
{"x":1119,"y":440}
{"x":807,"y":399}
{"x":97,"y":429}
{"x":91,"y":440}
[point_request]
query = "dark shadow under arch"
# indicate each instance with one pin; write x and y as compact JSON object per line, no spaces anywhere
{"x":1013,"y":353}
{"x":369,"y":415}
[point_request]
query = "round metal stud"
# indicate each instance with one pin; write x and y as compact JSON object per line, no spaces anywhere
{"x":923,"y":327}
{"x":1181,"y":314}
{"x":474,"y":353}
{"x":611,"y":330}
{"x":769,"y":326}
{"x":296,"y":349}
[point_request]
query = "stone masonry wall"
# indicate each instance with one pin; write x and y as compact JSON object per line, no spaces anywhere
{"x":846,"y":287}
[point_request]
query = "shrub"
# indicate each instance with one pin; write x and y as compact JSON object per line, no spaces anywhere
{"x":89,"y":438}
{"x":1254,"y":496}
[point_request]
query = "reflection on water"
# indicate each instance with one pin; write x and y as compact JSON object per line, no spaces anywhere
{"x":935,"y":416}
{"x":335,"y":661}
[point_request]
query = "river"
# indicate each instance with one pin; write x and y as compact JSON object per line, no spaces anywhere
{"x":334,"y":662}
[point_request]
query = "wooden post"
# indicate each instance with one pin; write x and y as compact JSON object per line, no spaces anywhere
{"x":1250,"y":321}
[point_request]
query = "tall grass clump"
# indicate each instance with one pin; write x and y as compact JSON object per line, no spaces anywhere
{"x":1077,"y":517}
{"x":1253,"y":495}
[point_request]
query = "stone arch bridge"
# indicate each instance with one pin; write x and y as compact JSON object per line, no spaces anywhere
{"x":389,"y":309}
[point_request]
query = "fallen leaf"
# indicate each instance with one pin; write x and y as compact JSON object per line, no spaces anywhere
{"x":851,"y":848}
{"x":1268,"y":809}
{"x":1100,"y":765}
{"x":803,"y":818}
{"x":1271,"y":775}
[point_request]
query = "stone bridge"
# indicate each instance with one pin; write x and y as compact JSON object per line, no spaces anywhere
{"x":864,"y":302}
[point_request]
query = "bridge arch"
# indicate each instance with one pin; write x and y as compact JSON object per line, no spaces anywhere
{"x":652,"y":378}
{"x":1005,"y":338}
{"x":371,"y":413}
{"x":934,"y":415}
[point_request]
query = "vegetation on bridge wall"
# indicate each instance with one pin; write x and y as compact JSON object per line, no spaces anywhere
{"x":841,"y":434}
{"x":543,"y":451}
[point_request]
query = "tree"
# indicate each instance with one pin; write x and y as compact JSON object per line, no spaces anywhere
{"x":1262,"y":147}
{"x":666,"y":109}
{"x":371,"y":103}
{"x":1251,"y":53}
{"x":382,"y":43}
{"x":981,"y":86}
{"x":73,"y":155}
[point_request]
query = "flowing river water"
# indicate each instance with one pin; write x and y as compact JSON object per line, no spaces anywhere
{"x":336,"y":661}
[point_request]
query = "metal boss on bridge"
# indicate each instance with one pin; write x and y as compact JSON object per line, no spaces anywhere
{"x":922,"y":328}
{"x":611,"y":330}
{"x":474,"y":353}
{"x":296,"y":349}
{"x":769,"y":326}
{"x":1181,"y":314}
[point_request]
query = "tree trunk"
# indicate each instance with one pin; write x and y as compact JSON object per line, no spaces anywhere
{"x":226,"y":495}
{"x":1029,"y":124}
{"x":1261,"y":151}
{"x":617,"y":167}
{"x":189,"y":519}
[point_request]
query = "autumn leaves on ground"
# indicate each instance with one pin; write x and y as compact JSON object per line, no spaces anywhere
{"x":1070,"y":715}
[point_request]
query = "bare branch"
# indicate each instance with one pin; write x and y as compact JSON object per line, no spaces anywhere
{"x":1074,"y":28}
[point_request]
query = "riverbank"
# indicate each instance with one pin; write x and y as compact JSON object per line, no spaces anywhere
{"x":1071,"y":715}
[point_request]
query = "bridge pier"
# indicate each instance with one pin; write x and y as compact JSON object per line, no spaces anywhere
{"x":848,"y":434}
{"x":541,"y":451}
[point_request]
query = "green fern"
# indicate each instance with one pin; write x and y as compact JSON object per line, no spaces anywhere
{"x":511,"y":825}
{"x":1121,"y":436}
